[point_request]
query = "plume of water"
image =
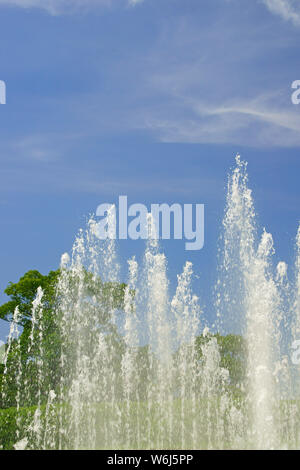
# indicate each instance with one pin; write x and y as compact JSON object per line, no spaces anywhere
{"x":251,"y":293}
{"x":237,"y":252}
{"x":36,"y":342}
{"x":13,"y":335}
{"x":13,"y":368}
{"x":297,"y":288}
{"x":186,"y":311}
{"x":160,"y":346}
{"x":261,"y":305}
{"x":129,"y":359}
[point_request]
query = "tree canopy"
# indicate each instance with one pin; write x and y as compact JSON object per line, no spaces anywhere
{"x":22,"y":294}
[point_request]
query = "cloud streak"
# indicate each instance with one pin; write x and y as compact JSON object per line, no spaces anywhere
{"x":288,"y":9}
{"x":254,"y":123}
{"x":57,"y":7}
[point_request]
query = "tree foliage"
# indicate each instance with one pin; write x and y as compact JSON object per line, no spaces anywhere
{"x":32,"y":347}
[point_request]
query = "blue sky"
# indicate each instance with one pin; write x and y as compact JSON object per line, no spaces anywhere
{"x":151,"y":99}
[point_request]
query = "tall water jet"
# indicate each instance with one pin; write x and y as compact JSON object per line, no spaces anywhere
{"x":261,"y":305}
{"x":14,"y":363}
{"x":36,"y":342}
{"x":186,"y":311}
{"x":159,"y":340}
{"x":130,"y":358}
{"x":295,"y":307}
{"x":238,"y":238}
{"x":297,"y":288}
{"x":249,"y":291}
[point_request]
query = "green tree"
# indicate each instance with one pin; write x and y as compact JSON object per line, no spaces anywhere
{"x":22,"y":294}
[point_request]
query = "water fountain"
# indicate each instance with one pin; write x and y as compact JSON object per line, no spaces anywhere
{"x":139,"y":370}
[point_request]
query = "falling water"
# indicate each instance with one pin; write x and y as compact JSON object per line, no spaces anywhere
{"x":137,"y":367}
{"x":261,"y":305}
{"x":247,"y":264}
{"x":186,"y":311}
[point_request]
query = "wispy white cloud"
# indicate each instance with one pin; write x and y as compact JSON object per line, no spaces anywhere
{"x":255,"y":122}
{"x":287,"y":9}
{"x":234,"y":94}
{"x":56,"y":7}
